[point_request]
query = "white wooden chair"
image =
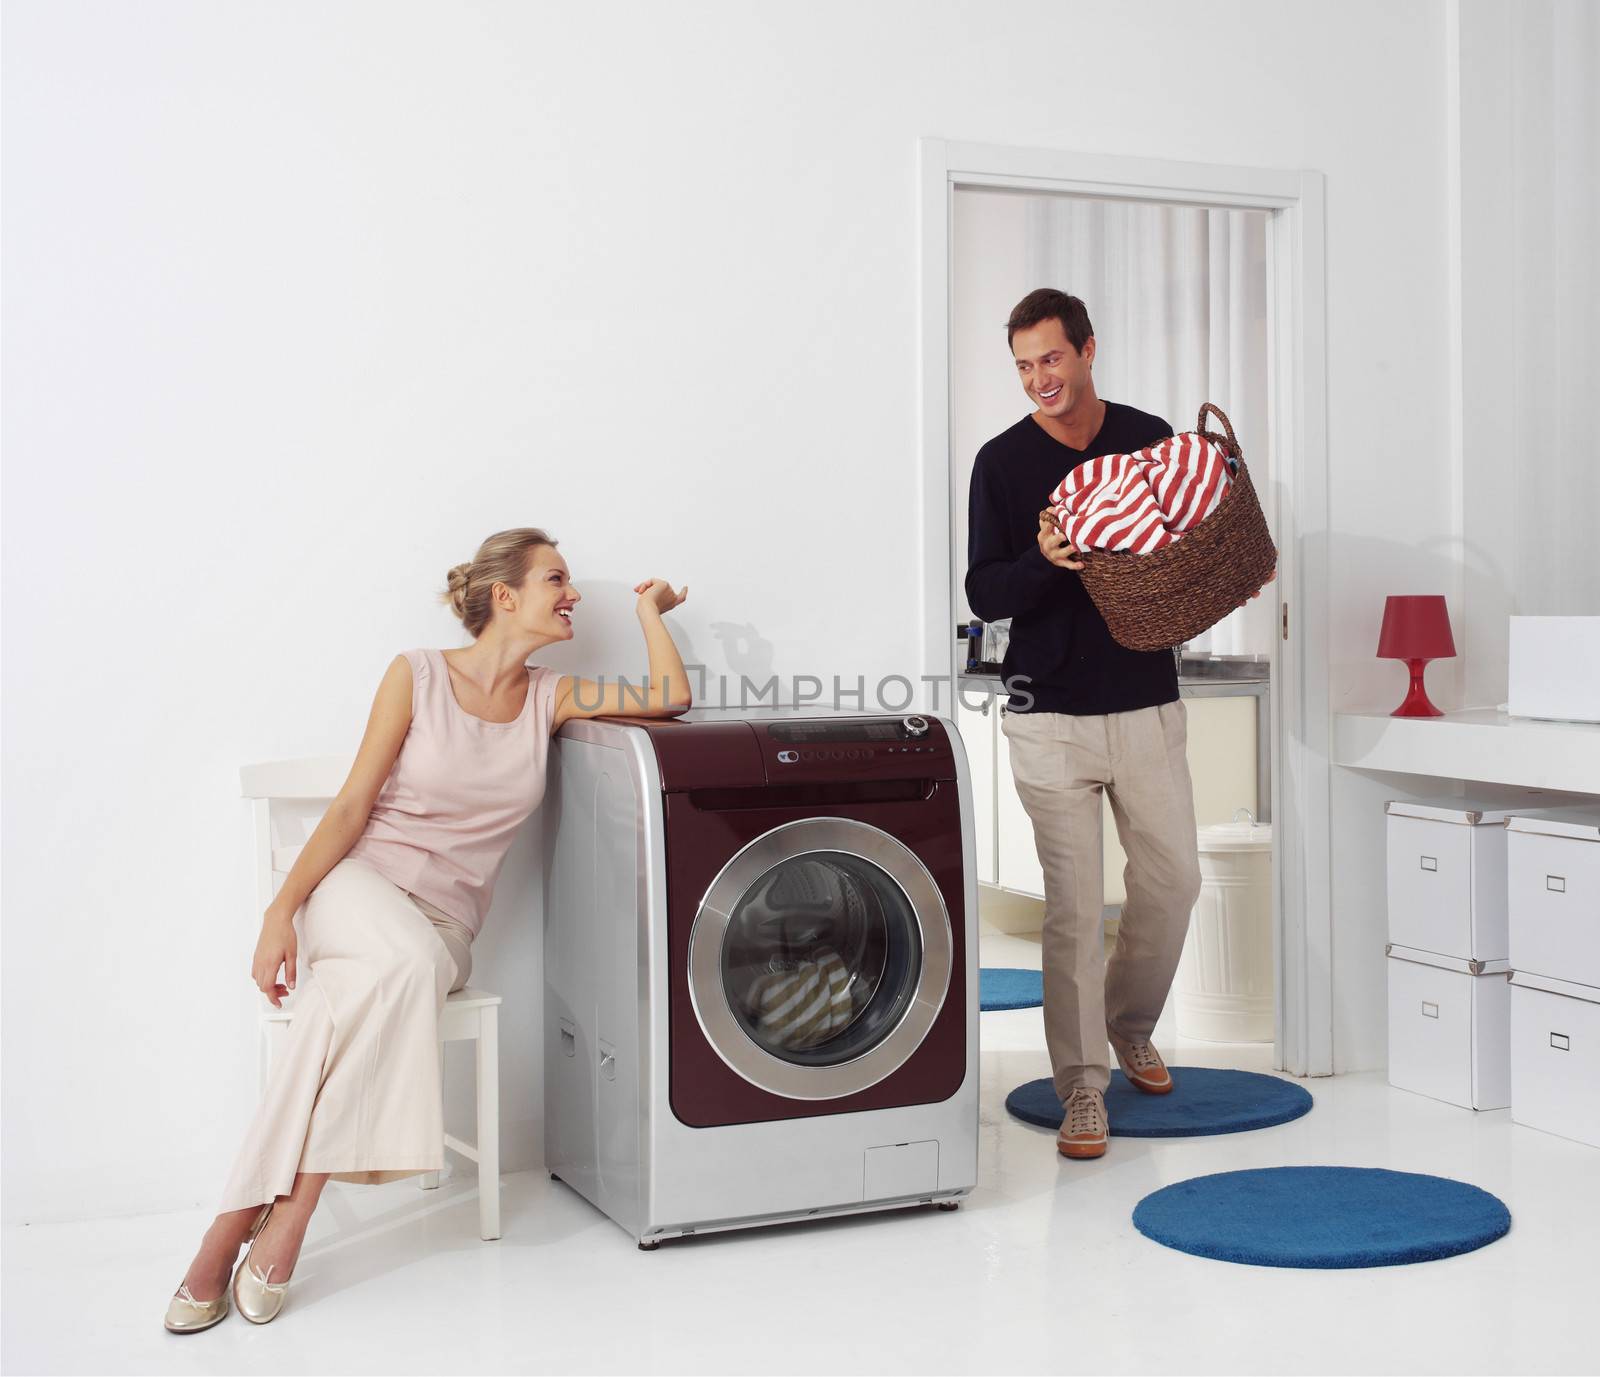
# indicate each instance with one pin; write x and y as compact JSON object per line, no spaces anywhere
{"x":289,"y":797}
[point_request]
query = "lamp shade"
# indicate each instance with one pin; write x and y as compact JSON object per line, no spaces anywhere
{"x":1416,"y":627}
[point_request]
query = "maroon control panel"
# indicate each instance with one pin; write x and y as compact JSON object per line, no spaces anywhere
{"x":799,"y":750}
{"x":912,"y":747}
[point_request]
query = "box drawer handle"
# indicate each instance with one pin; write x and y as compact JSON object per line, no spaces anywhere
{"x":1429,"y":1010}
{"x":1561,"y":1042}
{"x":1430,"y":862}
{"x":1556,"y":883}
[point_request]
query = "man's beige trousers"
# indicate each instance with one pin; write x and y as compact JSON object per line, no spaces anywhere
{"x":1061,"y":762}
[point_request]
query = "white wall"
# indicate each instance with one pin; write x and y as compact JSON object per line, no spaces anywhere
{"x":302,"y":302}
{"x":1525,"y":212}
{"x":1521,"y":169}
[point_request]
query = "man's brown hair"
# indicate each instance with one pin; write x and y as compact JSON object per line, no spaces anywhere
{"x":1045,"y":303}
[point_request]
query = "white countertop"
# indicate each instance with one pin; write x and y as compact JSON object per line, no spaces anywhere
{"x":1475,"y":743}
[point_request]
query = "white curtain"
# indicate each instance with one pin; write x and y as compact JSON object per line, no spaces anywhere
{"x":1178,"y":299}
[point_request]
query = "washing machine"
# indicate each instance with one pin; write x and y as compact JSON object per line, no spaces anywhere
{"x":760,"y":967}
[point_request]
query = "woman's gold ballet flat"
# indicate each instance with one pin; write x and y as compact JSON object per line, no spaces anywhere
{"x":186,"y":1315}
{"x":259,"y":1299}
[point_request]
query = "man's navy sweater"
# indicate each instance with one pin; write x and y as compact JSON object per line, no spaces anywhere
{"x":1059,"y":640}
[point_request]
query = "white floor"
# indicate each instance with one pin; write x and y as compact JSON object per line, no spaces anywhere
{"x":1040,"y":1271}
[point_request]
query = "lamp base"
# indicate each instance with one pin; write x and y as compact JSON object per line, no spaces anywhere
{"x":1416,"y":703}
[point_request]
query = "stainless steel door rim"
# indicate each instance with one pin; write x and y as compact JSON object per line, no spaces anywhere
{"x":708,"y":993}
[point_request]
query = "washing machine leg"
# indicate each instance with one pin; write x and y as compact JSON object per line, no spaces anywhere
{"x":649,"y":1247}
{"x":949,"y":1204}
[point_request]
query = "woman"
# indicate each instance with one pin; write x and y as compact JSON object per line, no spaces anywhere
{"x":396,"y":880}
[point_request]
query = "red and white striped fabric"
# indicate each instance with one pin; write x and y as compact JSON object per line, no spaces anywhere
{"x":1142,"y":502}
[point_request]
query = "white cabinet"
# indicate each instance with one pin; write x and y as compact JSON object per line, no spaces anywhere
{"x":1553,"y":867}
{"x":1447,"y":878}
{"x":978,"y":735}
{"x":1554,"y":883}
{"x":1449,"y":1003}
{"x":1555,"y":1057}
{"x":1447,"y":1029}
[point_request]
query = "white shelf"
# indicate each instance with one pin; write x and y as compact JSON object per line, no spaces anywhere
{"x":1477,"y":743}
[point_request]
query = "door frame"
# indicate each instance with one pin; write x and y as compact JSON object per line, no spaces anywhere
{"x":1296,"y":504}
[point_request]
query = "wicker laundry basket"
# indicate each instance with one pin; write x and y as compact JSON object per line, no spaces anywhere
{"x":1162,"y":599}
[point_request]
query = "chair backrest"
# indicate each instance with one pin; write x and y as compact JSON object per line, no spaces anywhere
{"x":289,"y":798}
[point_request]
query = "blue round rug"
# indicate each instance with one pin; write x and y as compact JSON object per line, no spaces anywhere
{"x":1322,"y":1217}
{"x":1203,"y":1100}
{"x":1009,"y":987}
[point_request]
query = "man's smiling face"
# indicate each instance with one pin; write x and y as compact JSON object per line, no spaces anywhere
{"x":1053,"y":374}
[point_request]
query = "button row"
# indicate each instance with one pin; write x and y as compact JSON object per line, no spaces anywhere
{"x":851,"y":753}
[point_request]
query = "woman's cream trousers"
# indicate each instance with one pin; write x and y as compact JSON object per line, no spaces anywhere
{"x":354,"y":1088}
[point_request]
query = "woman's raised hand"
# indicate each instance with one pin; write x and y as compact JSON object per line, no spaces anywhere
{"x":278,"y":947}
{"x":657,"y":593}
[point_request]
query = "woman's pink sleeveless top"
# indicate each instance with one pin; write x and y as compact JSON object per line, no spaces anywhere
{"x":458,"y":791}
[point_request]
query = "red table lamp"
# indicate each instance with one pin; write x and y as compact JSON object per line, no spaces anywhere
{"x":1416,"y":629}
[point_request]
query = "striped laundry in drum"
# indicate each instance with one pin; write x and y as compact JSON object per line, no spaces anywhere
{"x":1142,"y":502}
{"x":804,"y":1006}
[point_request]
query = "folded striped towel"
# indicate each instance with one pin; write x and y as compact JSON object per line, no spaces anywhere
{"x":1142,"y":502}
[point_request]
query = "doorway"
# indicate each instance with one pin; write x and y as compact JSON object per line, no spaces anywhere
{"x":1253,"y":241}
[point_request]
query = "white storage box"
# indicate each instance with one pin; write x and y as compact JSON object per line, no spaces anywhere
{"x":1447,"y":878}
{"x":1449,"y":1025}
{"x":1553,"y":875}
{"x":1555,"y":1057}
{"x":1553,"y":668}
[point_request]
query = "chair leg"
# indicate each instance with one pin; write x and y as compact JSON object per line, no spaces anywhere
{"x":429,"y":1180}
{"x":488,"y":1123}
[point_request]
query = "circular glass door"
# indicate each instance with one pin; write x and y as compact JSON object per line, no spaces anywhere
{"x":819,"y":958}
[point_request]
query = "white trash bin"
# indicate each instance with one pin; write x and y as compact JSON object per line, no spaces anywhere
{"x":1224,"y":983}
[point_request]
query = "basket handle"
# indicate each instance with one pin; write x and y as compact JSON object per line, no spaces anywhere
{"x":1227,"y":425}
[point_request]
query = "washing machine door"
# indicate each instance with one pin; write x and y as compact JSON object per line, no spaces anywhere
{"x":820,"y":958}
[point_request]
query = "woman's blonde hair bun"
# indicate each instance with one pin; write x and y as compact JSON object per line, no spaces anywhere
{"x":456,"y":592}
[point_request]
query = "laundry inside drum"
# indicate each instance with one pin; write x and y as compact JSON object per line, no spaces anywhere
{"x":821,"y":957}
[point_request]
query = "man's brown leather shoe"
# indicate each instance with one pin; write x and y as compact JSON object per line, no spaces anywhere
{"x":1083,"y":1125}
{"x":1142,"y":1065}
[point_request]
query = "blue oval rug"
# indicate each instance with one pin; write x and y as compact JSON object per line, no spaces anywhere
{"x":1203,"y":1100}
{"x":1322,"y":1217}
{"x":1009,"y":987}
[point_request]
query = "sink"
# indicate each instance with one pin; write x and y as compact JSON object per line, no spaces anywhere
{"x":1205,"y":669}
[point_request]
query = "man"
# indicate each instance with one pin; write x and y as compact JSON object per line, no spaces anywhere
{"x":1095,"y":716}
